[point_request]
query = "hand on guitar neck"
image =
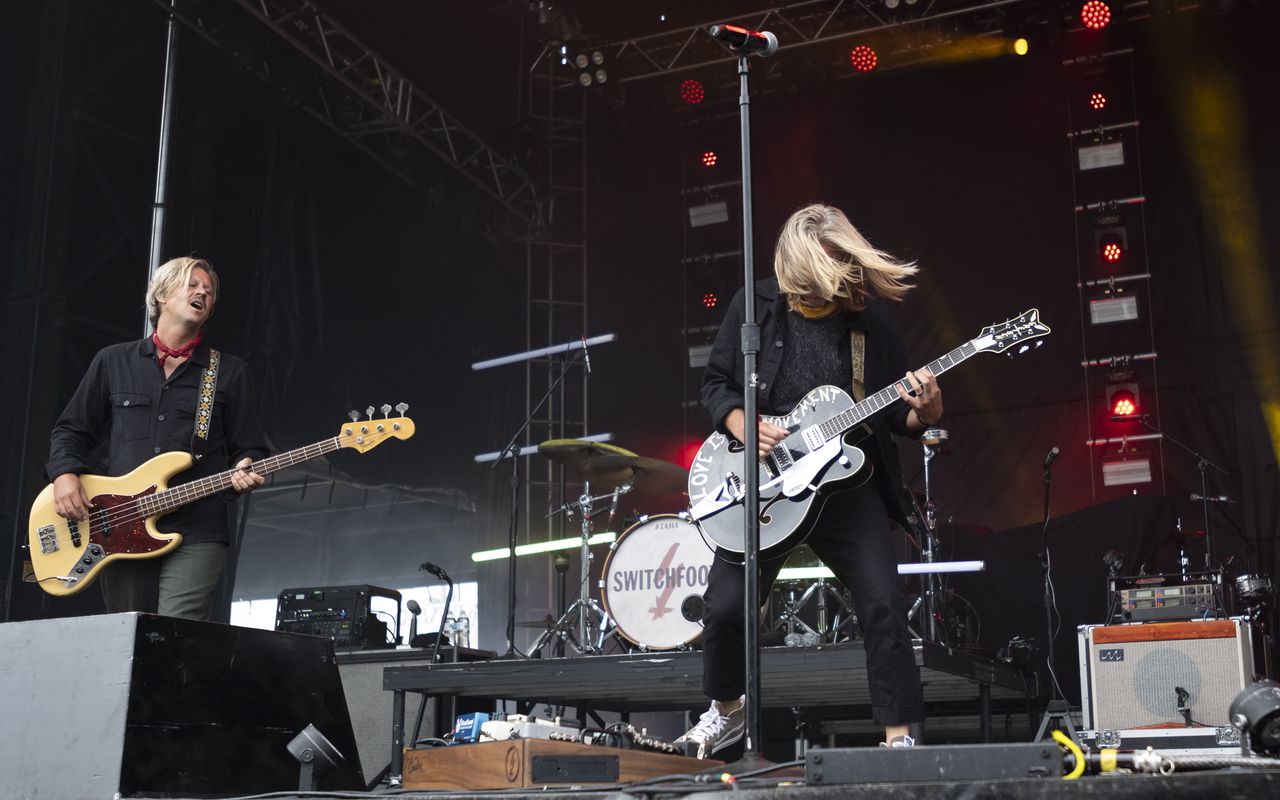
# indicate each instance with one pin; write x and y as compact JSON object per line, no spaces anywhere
{"x":244,"y":479}
{"x":770,"y":434}
{"x":926,"y":402}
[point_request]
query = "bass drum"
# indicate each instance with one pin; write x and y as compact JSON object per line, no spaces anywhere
{"x":654,"y":579}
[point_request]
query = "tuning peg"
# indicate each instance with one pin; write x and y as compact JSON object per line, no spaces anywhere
{"x":386,"y":410}
{"x":354,"y":415}
{"x":402,"y":407}
{"x":369,"y":411}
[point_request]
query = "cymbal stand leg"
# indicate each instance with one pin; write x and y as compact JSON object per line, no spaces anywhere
{"x":584,"y":601}
{"x":929,"y":585}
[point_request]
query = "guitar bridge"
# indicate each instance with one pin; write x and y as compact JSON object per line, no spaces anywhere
{"x":48,"y":539}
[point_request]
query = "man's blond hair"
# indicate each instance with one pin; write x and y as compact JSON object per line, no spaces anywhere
{"x":173,"y":276}
{"x":820,"y":253}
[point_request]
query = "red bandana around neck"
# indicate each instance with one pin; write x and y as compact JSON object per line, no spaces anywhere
{"x":163,"y":351}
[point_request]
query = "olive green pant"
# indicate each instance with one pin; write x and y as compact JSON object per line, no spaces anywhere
{"x":180,"y":584}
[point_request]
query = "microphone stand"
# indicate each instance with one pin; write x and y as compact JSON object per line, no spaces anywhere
{"x":751,"y":437}
{"x":435,"y":655}
{"x":512,"y":451}
{"x":1057,"y":712}
{"x":1202,"y":465}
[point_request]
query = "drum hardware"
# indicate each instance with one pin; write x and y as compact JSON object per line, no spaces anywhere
{"x":928,"y":604}
{"x":823,"y":592}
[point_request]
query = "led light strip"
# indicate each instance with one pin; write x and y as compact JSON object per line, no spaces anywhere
{"x":543,"y":547}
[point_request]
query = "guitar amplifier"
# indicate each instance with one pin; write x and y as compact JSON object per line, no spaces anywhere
{"x":340,"y":613}
{"x":1158,"y":673}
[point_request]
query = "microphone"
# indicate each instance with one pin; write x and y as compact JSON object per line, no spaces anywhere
{"x":586,"y":354}
{"x":1048,"y":459}
{"x":1212,"y":498}
{"x":415,"y":610}
{"x":438,"y":571}
{"x":745,"y":42}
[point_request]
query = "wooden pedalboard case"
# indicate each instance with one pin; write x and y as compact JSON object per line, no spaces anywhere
{"x":537,"y":762}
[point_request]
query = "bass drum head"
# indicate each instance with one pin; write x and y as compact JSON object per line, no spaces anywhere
{"x":654,"y":579}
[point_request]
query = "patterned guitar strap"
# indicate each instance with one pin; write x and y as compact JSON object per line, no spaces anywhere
{"x":858,"y":351}
{"x":204,"y":405}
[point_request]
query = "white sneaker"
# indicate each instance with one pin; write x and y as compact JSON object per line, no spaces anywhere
{"x":900,"y":741}
{"x":715,"y":730}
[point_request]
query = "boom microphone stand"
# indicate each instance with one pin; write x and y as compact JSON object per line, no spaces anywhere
{"x":512,"y":451}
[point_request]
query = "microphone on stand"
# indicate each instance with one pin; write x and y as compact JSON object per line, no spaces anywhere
{"x":438,"y":571}
{"x":745,"y":42}
{"x":1048,"y":459}
{"x":415,"y":610}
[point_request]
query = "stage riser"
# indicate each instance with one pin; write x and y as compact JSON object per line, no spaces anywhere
{"x":125,"y":704}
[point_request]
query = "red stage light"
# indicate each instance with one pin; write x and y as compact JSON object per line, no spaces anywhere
{"x":709,"y":300}
{"x":1097,"y":101}
{"x":1095,"y":15}
{"x":691,"y":92}
{"x":863,"y":58}
{"x":1111,"y":249}
{"x":709,"y":158}
{"x":1123,"y":403}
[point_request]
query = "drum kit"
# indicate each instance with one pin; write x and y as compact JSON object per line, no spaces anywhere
{"x":656,"y":570}
{"x":654,"y":577}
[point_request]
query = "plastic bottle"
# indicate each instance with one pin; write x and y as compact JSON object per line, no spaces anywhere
{"x":464,"y":630}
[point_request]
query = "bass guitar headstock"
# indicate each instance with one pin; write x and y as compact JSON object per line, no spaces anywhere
{"x":364,"y":435}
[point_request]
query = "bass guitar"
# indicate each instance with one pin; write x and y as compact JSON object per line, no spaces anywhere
{"x":67,"y":554}
{"x":817,"y":457}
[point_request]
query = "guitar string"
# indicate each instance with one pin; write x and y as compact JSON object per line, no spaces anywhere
{"x":131,"y":511}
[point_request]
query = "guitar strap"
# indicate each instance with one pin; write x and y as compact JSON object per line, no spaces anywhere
{"x":858,"y":352}
{"x":204,"y":405}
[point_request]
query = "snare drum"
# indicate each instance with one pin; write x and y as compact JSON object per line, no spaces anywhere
{"x":654,"y":579}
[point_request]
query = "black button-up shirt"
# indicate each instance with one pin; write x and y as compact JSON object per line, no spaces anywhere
{"x":126,"y":403}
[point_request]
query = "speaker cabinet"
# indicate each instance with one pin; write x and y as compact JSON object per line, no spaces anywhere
{"x":370,"y":706}
{"x":136,"y":704}
{"x":1131,"y":675}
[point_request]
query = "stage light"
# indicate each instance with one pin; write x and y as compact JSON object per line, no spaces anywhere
{"x":544,"y":547}
{"x":1095,"y":15}
{"x":1255,"y":712}
{"x":597,"y":58}
{"x":709,"y":158}
{"x":1123,"y":401}
{"x":691,"y":92}
{"x":581,"y":61}
{"x":1111,"y":248}
{"x":891,"y":4}
{"x":709,"y":300}
{"x":1021,"y":46}
{"x":584,"y":79}
{"x":601,"y":76}
{"x":863,"y":58}
{"x":1126,"y":470}
{"x":1097,"y":101}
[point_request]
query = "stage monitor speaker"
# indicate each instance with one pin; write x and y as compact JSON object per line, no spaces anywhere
{"x":127,"y":704}
{"x":370,"y":705}
{"x":1132,"y":676}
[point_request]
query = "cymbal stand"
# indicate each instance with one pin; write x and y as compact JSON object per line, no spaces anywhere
{"x":928,"y":604}
{"x":823,"y":591}
{"x":590,"y":614}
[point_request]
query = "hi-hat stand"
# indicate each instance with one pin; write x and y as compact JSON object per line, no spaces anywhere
{"x":593,"y":621}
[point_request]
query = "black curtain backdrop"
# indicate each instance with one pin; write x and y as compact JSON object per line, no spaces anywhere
{"x":346,"y":287}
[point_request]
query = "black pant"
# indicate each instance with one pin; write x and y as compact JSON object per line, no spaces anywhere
{"x":852,"y":538}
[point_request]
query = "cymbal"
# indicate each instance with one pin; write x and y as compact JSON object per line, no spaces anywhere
{"x":608,"y":466}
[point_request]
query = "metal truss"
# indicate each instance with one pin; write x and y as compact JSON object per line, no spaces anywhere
{"x":798,"y":24}
{"x":380,"y":110}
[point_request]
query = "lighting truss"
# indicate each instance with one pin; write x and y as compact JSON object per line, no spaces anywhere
{"x":798,"y":24}
{"x":378,"y":108}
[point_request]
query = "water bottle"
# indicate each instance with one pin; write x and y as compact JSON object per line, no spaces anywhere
{"x":451,"y":630}
{"x":464,"y":630}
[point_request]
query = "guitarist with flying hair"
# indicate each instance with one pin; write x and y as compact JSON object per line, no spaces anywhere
{"x":824,"y":309}
{"x":164,"y":393}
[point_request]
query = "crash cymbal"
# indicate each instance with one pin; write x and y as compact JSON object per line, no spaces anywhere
{"x":574,"y":452}
{"x":646,"y":475}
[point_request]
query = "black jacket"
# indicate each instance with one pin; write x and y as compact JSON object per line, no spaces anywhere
{"x":125,"y":396}
{"x":886,"y":362}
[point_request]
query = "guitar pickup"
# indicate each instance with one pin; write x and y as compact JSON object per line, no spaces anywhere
{"x":813,"y":438}
{"x":75,"y":533}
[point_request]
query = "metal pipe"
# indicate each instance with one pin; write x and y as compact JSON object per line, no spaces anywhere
{"x":160,"y":204}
